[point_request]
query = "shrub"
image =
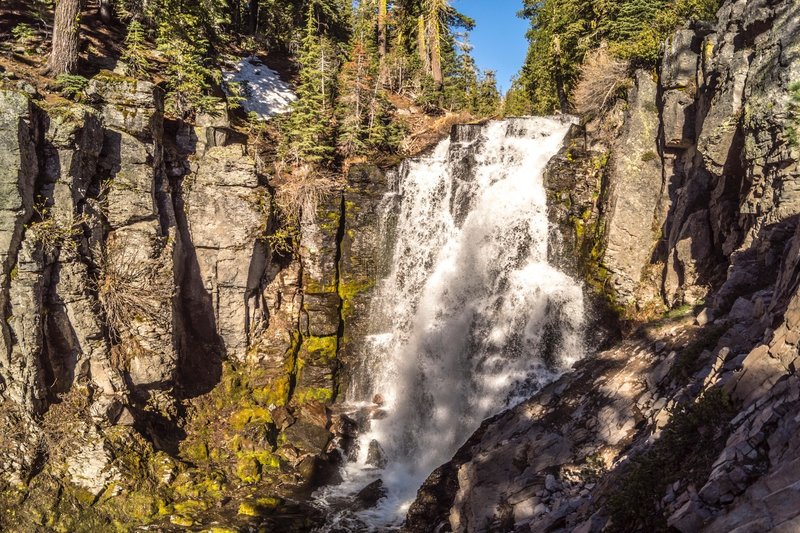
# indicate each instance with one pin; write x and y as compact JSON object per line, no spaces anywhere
{"x":132,"y":289}
{"x":602,"y":76}
{"x":135,"y":54}
{"x":64,"y":422}
{"x":72,"y":86}
{"x":794,"y":112}
{"x":51,"y":233}
{"x":302,"y":192}
{"x":688,"y":446}
{"x":23,"y":34}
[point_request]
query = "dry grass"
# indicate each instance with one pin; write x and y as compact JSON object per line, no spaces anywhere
{"x":51,"y":233}
{"x":602,"y":76}
{"x":132,"y":289}
{"x":13,"y":429}
{"x":301,"y":192}
{"x":64,"y":422}
{"x":429,"y":130}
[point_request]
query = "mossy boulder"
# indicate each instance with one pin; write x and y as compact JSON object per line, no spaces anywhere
{"x":259,"y":507}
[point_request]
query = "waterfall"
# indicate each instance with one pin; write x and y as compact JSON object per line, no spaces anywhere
{"x":470,"y":320}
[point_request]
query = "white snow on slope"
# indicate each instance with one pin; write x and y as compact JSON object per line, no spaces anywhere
{"x":264,"y":92}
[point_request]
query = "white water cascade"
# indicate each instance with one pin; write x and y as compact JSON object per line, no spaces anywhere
{"x":471,"y":319}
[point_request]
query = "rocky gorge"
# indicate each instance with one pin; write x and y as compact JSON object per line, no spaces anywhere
{"x":169,"y":361}
{"x":162,"y":356}
{"x":682,"y":199}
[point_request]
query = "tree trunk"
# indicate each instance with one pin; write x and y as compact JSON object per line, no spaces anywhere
{"x":252,"y":21}
{"x":563,"y":101}
{"x":235,"y":9}
{"x":106,"y":11}
{"x":66,"y":38}
{"x":382,"y":31}
{"x":436,"y":52}
{"x":422,"y":44}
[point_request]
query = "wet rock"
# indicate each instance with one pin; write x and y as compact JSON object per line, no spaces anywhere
{"x":370,"y":495}
{"x":307,"y":437}
{"x":376,"y":456}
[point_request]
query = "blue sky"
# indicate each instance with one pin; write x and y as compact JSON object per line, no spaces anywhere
{"x":499,"y":36}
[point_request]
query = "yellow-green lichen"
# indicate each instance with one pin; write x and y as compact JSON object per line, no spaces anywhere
{"x":348,"y":290}
{"x":179,"y":520}
{"x":277,"y":393}
{"x":259,"y":507}
{"x":250,"y":415}
{"x":250,"y":466}
{"x":322,"y":350}
{"x":313,"y":394}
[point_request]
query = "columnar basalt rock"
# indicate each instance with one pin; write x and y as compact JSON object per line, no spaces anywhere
{"x":134,"y":265}
{"x":19,"y":128}
{"x":635,"y":177}
{"x":226,"y":206}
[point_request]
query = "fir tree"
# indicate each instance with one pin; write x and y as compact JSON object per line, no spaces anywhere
{"x":517,"y":103}
{"x":357,"y":84}
{"x":308,"y":134}
{"x":135,"y":55}
{"x":487,"y":101}
{"x":364,"y":112}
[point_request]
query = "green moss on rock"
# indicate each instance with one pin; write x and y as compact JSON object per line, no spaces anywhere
{"x":250,"y":415}
{"x":259,"y":507}
{"x":321,"y":350}
{"x":313,"y":394}
{"x":348,"y":290}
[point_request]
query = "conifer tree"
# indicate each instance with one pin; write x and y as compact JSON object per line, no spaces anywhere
{"x":308,"y":135}
{"x":517,"y":103}
{"x":487,"y":101}
{"x":134,"y":55}
{"x":383,"y":37}
{"x":356,"y":82}
{"x":364,"y":113}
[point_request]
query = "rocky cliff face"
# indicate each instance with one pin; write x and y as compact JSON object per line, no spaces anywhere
{"x":164,"y":356}
{"x":683,"y":197}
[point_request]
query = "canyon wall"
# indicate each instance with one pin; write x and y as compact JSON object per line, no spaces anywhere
{"x":169,"y":352}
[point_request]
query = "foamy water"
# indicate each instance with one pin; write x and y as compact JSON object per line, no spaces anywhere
{"x":474,"y":319}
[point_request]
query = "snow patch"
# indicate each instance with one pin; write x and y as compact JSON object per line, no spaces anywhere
{"x":264,"y":92}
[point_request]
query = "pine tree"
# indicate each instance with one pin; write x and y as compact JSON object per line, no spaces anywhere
{"x":184,"y":45}
{"x":487,"y":102}
{"x":363,"y":110}
{"x":357,"y":84}
{"x":308,"y":134}
{"x":135,"y":55}
{"x":383,"y":37}
{"x":517,"y":103}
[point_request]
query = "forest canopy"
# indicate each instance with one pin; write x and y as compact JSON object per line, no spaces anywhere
{"x":563,"y":33}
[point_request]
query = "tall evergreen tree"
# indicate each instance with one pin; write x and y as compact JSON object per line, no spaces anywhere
{"x":310,"y":129}
{"x":364,"y":113}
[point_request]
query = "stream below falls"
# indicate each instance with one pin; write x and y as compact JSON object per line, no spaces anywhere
{"x":470,"y":320}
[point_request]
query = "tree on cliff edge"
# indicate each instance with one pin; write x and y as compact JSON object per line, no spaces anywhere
{"x":64,"y":56}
